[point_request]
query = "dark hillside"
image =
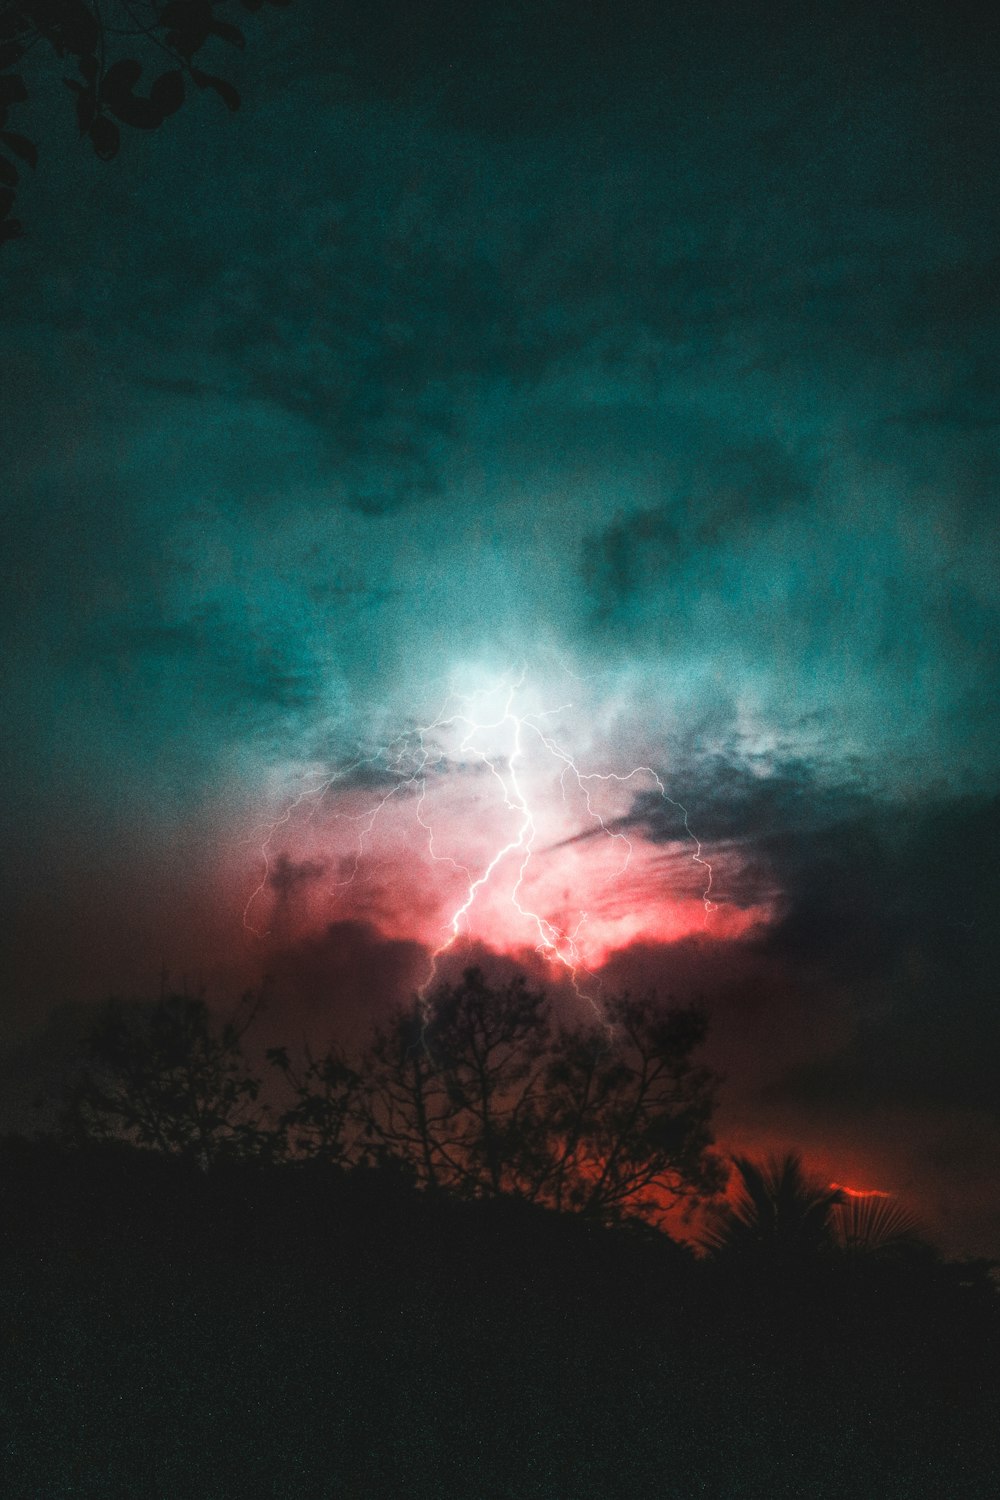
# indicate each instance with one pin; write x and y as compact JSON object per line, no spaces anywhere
{"x":292,"y":1331}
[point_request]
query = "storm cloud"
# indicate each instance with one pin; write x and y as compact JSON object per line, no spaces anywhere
{"x":657,"y":351}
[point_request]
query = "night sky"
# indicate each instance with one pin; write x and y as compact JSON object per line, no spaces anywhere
{"x":641,"y":355}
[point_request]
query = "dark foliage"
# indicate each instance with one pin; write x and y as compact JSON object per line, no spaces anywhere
{"x":454,"y":1088}
{"x":780,"y":1216}
{"x":473,"y":1091}
{"x":629,"y":1112}
{"x":168,"y":1078}
{"x":107,"y":46}
{"x":322,"y":1118}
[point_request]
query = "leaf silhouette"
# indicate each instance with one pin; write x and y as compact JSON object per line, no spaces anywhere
{"x":13,"y":89}
{"x":131,"y":108}
{"x":105,"y":137}
{"x":21,"y":146}
{"x":107,"y":88}
{"x":167,"y":92}
{"x":225,"y":91}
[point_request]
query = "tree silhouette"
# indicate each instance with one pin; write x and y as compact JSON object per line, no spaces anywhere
{"x":478,"y":1095}
{"x":780,"y":1217}
{"x":407,"y":1113}
{"x":472,"y":1091}
{"x":875,"y":1225}
{"x":322,"y":1120}
{"x":629,"y":1114}
{"x":109,"y":43}
{"x":489,"y":1044}
{"x":168,"y":1078}
{"x":452,"y":1086}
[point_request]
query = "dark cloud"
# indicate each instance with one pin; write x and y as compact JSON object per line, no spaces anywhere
{"x":340,"y":982}
{"x":919,"y":943}
{"x":866,"y":877}
{"x":885,"y":909}
{"x":286,"y":876}
{"x":711,"y":502}
{"x":33,"y":1069}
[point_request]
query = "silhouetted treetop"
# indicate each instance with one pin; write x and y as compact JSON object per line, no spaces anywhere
{"x":169,"y":1078}
{"x":321,"y":1117}
{"x":479,"y":1092}
{"x":780,"y":1215}
{"x":629,"y":1113}
{"x":454,"y":1086}
{"x":474,"y":1090}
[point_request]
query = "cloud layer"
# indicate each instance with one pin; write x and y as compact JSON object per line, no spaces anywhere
{"x":600,"y":338}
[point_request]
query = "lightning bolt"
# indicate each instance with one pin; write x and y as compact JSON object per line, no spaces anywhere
{"x":409,"y":761}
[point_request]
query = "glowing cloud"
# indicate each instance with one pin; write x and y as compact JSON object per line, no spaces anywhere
{"x":493,"y":826}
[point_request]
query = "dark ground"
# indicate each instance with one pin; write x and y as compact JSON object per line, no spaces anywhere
{"x":286,"y":1333}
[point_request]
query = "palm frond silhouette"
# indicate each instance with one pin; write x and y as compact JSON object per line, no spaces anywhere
{"x":779,"y":1212}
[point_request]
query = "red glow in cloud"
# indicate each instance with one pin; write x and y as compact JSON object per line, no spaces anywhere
{"x":486,"y":825}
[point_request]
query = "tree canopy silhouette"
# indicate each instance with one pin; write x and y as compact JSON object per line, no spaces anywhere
{"x":483,"y":1095}
{"x":629,"y":1113}
{"x":321,"y":1118}
{"x":475,"y":1091}
{"x":455,"y":1089}
{"x":107,"y":46}
{"x":169,"y":1078}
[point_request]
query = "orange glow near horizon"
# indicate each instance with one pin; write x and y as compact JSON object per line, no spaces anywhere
{"x":851,"y":1192}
